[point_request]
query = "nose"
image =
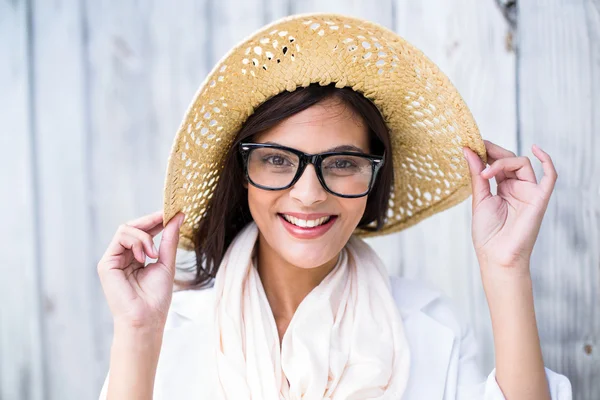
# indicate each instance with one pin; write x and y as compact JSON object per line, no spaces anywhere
{"x":308,"y":190}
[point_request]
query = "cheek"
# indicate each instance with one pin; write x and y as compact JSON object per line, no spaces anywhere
{"x":353,"y":209}
{"x":261,"y":203}
{"x":254,"y":200}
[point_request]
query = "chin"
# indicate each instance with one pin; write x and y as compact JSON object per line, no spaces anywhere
{"x":308,"y":254}
{"x":306,"y":258}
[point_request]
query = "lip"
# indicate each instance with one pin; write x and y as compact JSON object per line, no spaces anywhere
{"x":307,"y":233}
{"x":307,"y":216}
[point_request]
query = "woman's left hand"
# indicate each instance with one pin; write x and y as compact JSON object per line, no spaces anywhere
{"x":505,"y":226}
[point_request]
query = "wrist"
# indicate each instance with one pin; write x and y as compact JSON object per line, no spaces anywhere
{"x":138,"y":327}
{"x":509,"y":295}
{"x":502,"y":283}
{"x":496,"y":271}
{"x":136,"y":347}
{"x":143,"y":335}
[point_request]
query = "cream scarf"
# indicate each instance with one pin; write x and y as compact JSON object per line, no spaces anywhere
{"x":345,"y":340}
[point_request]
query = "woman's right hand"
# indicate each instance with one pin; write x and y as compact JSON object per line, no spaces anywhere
{"x":138,"y":296}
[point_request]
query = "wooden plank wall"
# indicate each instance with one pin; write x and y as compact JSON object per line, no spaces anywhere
{"x":92,"y":92}
{"x":21,"y":327}
{"x":559,"y":107}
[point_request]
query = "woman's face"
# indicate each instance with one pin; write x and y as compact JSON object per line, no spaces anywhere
{"x":323,"y":127}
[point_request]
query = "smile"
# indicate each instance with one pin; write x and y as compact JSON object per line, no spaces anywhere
{"x":304,"y":223}
{"x":309,"y":227}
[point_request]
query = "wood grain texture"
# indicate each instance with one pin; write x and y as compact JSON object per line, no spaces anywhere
{"x":380,"y":11}
{"x":94,"y":91}
{"x":559,"y":98}
{"x":21,"y":351}
{"x":67,"y":271}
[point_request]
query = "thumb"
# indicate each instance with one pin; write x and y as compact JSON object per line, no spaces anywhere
{"x":168,"y":243}
{"x":479,"y":185}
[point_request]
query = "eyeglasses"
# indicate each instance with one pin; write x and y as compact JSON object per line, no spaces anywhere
{"x":341,"y":173}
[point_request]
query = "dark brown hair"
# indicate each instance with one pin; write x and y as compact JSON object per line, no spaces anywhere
{"x":228,"y":210}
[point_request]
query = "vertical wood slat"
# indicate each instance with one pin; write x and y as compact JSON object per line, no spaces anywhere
{"x":559,"y":97}
{"x":21,"y":352}
{"x":232,"y":22}
{"x":67,"y":270}
{"x":379,"y":12}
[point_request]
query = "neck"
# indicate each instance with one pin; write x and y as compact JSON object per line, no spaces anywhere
{"x":286,"y":285}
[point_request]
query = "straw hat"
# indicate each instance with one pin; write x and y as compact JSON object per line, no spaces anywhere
{"x":428,"y":120}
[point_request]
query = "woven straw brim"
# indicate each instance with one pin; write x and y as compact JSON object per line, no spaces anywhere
{"x":428,"y":120}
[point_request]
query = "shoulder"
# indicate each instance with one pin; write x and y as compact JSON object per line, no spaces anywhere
{"x":417,"y":296}
{"x":191,"y":305}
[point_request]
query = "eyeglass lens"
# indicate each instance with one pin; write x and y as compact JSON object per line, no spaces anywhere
{"x":343,"y":174}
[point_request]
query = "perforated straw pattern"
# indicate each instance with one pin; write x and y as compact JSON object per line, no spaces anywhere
{"x":428,"y":120}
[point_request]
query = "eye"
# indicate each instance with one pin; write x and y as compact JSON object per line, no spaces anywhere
{"x":341,"y":163}
{"x":276,"y":160}
{"x":344,"y":164}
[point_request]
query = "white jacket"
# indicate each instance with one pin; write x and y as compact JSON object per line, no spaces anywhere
{"x":442,"y":350}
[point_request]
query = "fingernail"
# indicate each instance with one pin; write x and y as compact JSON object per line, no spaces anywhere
{"x":465,"y":153}
{"x":180,"y":221}
{"x":485,"y":170}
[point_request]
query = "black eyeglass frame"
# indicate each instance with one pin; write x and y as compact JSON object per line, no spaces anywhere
{"x":314,"y":159}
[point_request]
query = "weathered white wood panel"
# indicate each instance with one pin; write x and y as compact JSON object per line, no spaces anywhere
{"x":232,"y":21}
{"x":21,"y":353}
{"x":380,"y":11}
{"x":559,"y":100}
{"x":67,"y":272}
{"x":89,"y":128}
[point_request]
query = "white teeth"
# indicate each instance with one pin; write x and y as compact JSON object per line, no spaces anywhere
{"x":303,"y":223}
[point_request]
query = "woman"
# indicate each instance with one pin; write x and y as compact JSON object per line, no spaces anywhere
{"x":287,"y":302}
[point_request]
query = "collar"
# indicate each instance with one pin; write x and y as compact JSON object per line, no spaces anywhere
{"x":410,"y":295}
{"x":194,"y":303}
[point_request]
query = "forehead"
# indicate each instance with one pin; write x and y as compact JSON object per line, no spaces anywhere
{"x":325,"y":125}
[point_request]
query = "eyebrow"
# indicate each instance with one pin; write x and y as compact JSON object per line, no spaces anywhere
{"x":344,"y":147}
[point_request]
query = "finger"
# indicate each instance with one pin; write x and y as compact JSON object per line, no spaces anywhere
{"x":147,"y":222}
{"x":480,"y":185}
{"x":145,"y":238}
{"x":501,"y":175}
{"x":137,"y":250}
{"x":550,"y":175}
{"x":520,"y":166}
{"x":168,"y":244}
{"x":497,"y":152}
{"x":124,"y":231}
{"x":122,"y":243}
